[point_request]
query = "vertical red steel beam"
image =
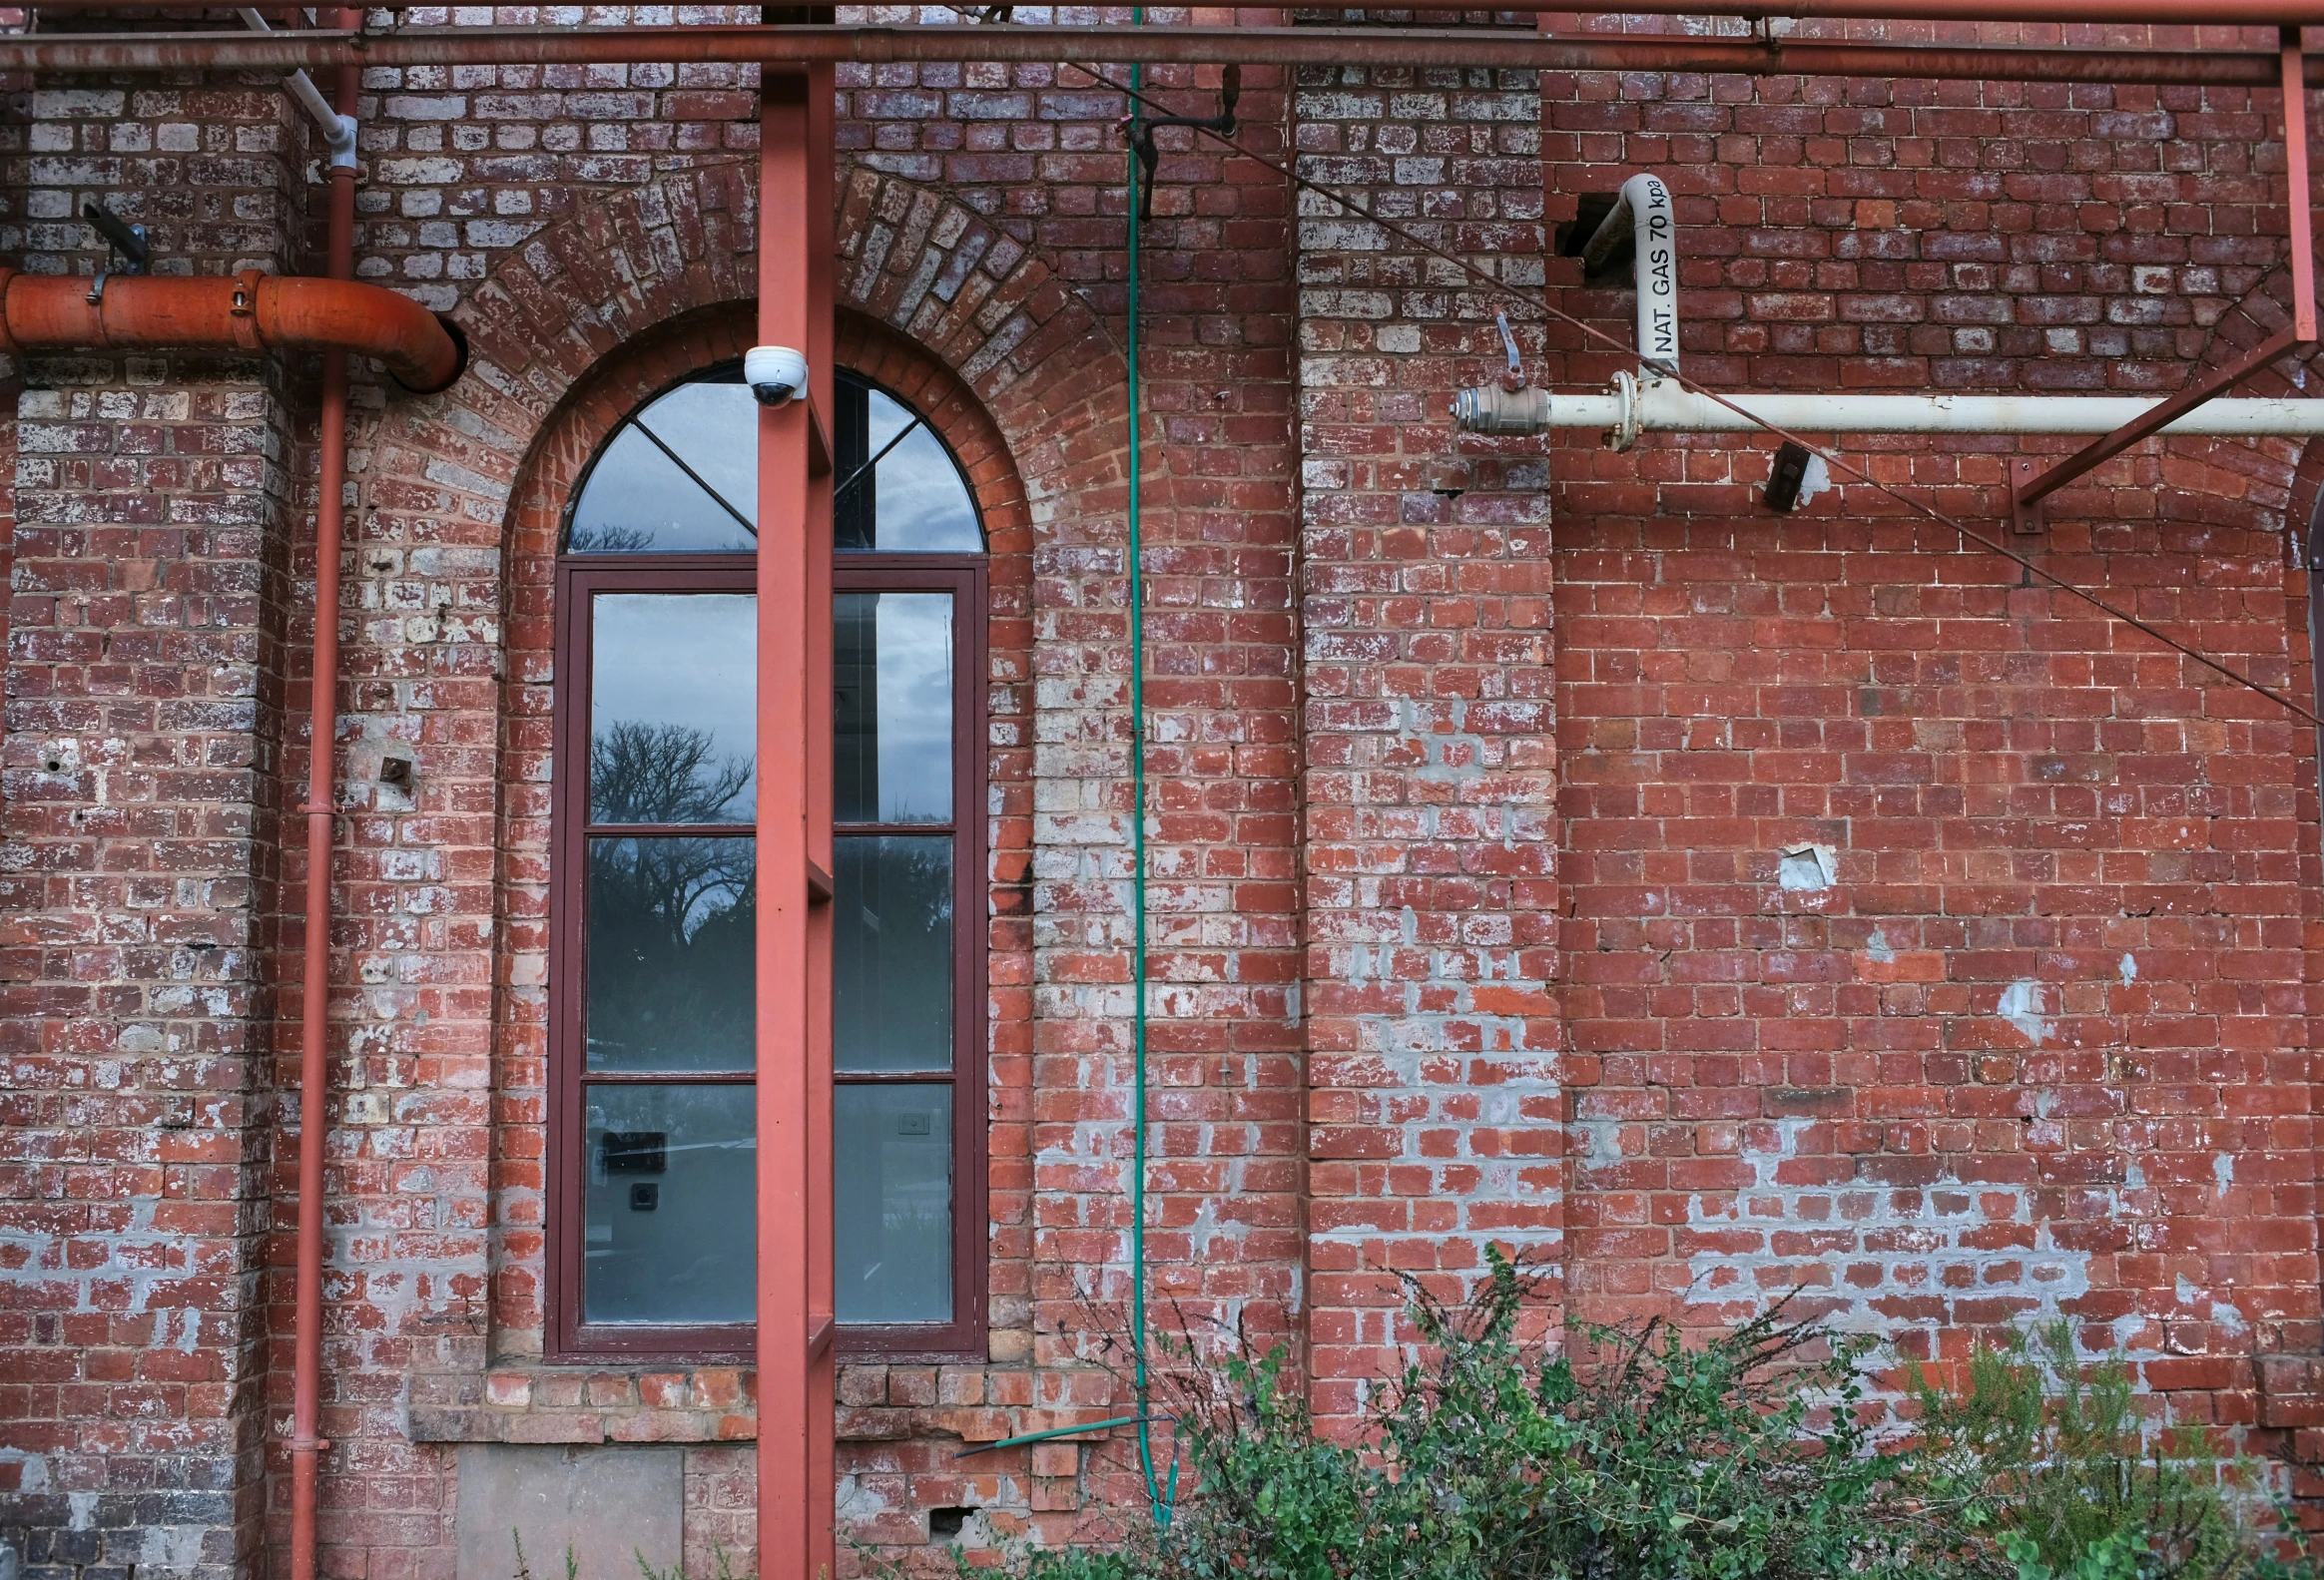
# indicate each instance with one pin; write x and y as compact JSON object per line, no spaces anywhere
{"x":794,"y":1096}
{"x":822,"y":1358}
{"x":2297,"y":196}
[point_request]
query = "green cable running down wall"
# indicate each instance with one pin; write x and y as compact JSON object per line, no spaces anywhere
{"x":1161,"y":1492}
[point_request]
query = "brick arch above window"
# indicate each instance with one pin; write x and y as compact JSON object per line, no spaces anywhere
{"x":987,"y":316}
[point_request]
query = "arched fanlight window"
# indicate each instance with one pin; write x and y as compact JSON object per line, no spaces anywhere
{"x":681,"y":477}
{"x":654,"y":913}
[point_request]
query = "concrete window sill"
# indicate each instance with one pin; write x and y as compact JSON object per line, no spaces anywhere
{"x":576,"y":1404}
{"x":535,"y":1403}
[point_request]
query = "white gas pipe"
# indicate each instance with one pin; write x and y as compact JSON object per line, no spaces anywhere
{"x":1645,"y":203}
{"x":1652,"y":403}
{"x":1660,"y":405}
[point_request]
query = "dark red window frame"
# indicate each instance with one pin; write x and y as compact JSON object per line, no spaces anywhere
{"x":578,"y":579}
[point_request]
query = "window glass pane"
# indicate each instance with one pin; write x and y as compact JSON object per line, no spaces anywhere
{"x":892,"y":719}
{"x":893,"y":1246}
{"x":672,"y":700}
{"x":639,"y":500}
{"x":891,"y":954}
{"x":924,"y":504}
{"x":884,"y":418}
{"x":713,"y":424}
{"x":671,"y":956}
{"x":671,"y":1177}
{"x":915,"y":501}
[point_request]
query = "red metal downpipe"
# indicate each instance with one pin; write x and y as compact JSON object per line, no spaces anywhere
{"x":307,"y":1443}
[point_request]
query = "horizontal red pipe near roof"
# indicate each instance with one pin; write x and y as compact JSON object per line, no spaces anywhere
{"x":484,"y":46}
{"x":249,"y":311}
{"x":2205,"y":13}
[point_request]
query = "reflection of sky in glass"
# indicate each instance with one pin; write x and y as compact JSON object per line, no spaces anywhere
{"x":924,"y":504}
{"x":893,"y":1202}
{"x":887,"y":419}
{"x":916,"y":707}
{"x":715,"y":429}
{"x":638,"y":500}
{"x":685,"y":659}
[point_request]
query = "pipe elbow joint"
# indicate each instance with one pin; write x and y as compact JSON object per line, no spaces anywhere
{"x":446,"y":376}
{"x":1656,"y":247}
{"x":1645,"y":217}
{"x":341,"y":141}
{"x":249,"y":313}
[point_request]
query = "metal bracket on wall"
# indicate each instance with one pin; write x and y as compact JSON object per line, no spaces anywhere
{"x":1141,"y":132}
{"x":129,"y":243}
{"x":2030,"y":486}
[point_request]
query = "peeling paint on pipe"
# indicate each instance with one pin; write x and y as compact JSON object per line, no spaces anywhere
{"x":2191,"y":13}
{"x":249,"y":311}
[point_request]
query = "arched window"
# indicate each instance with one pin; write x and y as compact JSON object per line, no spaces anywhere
{"x":650,"y":1036}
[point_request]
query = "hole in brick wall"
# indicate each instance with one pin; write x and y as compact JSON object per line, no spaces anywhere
{"x":945,"y":1524}
{"x":1805,"y":867}
{"x":1589,"y":212}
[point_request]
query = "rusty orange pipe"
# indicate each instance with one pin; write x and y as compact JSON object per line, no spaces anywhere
{"x":338,"y":315}
{"x":249,"y":311}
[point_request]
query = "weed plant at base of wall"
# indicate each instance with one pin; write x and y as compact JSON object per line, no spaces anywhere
{"x":1764,"y":1453}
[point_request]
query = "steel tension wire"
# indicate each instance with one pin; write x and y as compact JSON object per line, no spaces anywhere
{"x":1752,"y":419}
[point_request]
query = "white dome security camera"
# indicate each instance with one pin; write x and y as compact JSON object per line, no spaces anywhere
{"x":774,"y":373}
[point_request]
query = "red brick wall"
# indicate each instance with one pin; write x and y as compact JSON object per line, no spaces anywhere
{"x":138,"y":777}
{"x":143,"y":704}
{"x":1430,"y":846}
{"x":1788,"y":1087}
{"x":1471,"y":763}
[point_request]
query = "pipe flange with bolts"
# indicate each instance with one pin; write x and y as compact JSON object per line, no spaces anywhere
{"x":1628,"y":418}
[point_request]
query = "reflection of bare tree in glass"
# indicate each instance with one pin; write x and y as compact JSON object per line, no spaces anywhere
{"x":671,"y":918}
{"x":893,"y":952}
{"x":640,"y":772}
{"x":607,"y":540}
